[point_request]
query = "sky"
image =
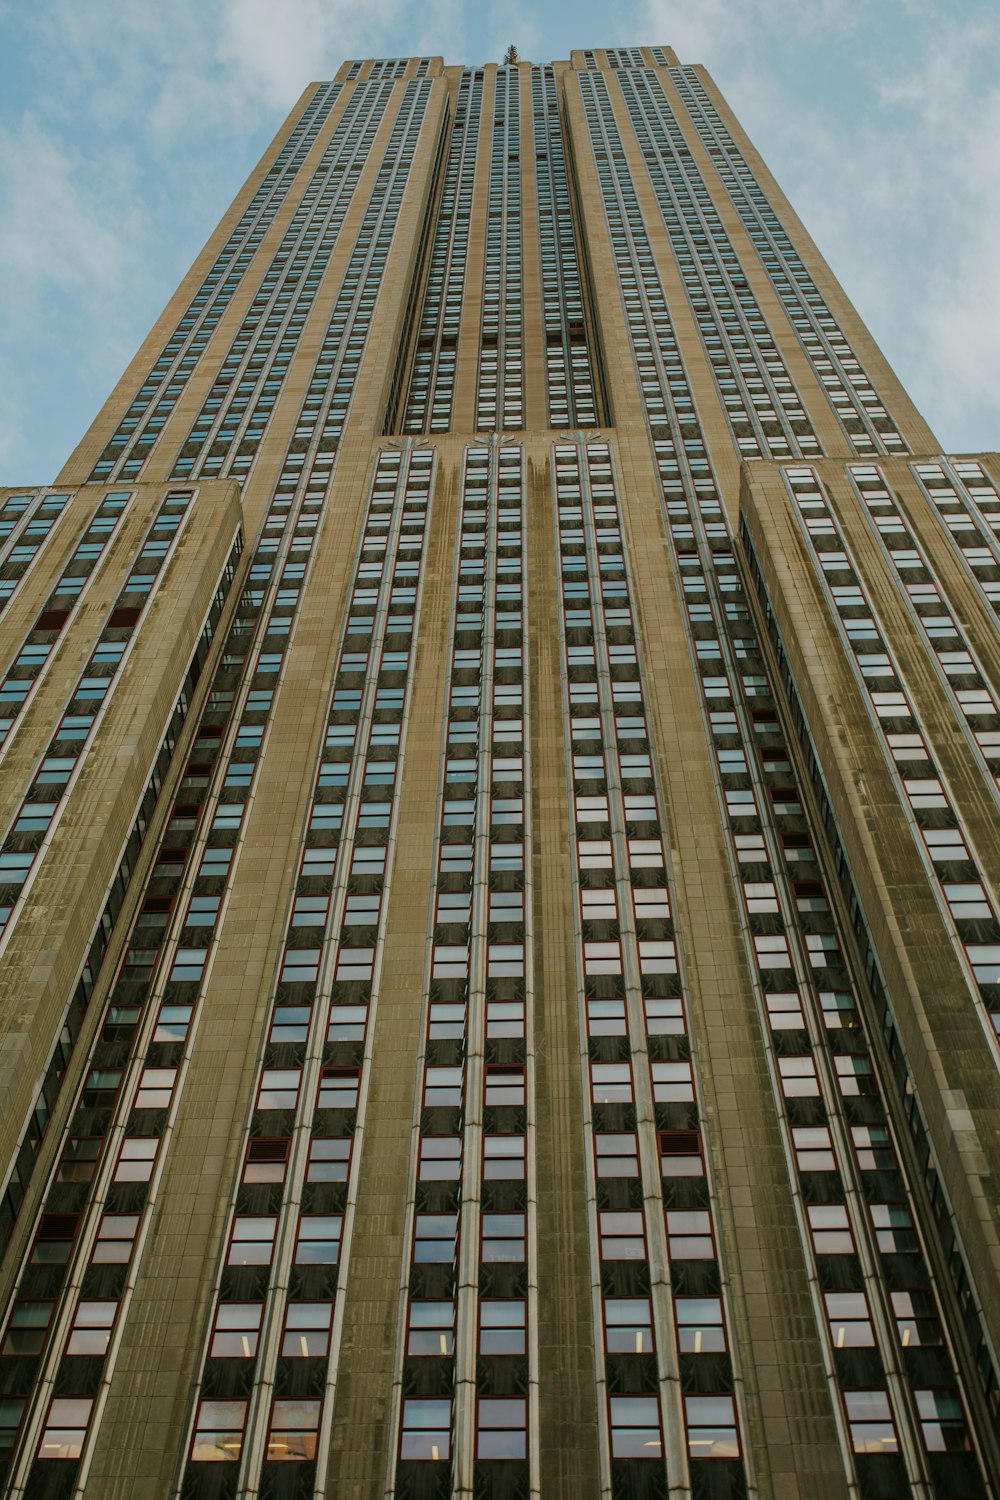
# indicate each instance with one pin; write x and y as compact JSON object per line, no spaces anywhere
{"x":127,"y":128}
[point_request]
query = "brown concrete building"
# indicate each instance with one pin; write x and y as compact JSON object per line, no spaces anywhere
{"x":500,"y":977}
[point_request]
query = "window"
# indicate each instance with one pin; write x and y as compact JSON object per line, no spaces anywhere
{"x":700,"y":1325}
{"x":172,"y":1023}
{"x":784,"y":1011}
{"x":26,"y":1330}
{"x":503,"y":1428}
{"x":611,"y":1083}
{"x":870,"y":1419}
{"x":218,"y":1436}
{"x":347,"y":1023}
{"x":290,"y":1023}
{"x":606,"y":1018}
{"x":266,"y":1161}
{"x":680,"y":1153}
{"x":798,"y":1077}
{"x":942,"y":1421}
{"x":442,"y":1087}
{"x":772,"y":952}
{"x":329,"y":1158}
{"x":622,"y":1236}
{"x":672,"y":1082}
{"x":854,"y":1074}
{"x":504,"y":1018}
{"x":503,"y":1237}
{"x":155,"y":1087}
{"x":252,"y":1240}
{"x":664,"y":1016}
{"x":236,"y":1331}
{"x":434,"y":1238}
{"x":135,"y":1164}
{"x":115,"y":1239}
{"x":338,"y":1089}
{"x":65,"y":1428}
{"x":431,"y":1328}
{"x":80,"y":1158}
{"x":916,"y":1318}
{"x":426,"y":1430}
{"x":318,"y":1242}
{"x":504,"y":1086}
{"x":307,"y":1330}
{"x":849,"y":1319}
{"x":830,"y":1229}
{"x":294,"y":1426}
{"x":628,"y":1323}
{"x":440,"y":1158}
{"x":502,"y":1327}
{"x":54,"y":1240}
{"x":711,"y":1427}
{"x":894,"y":1230}
{"x":689,"y":1234}
{"x":813,"y":1148}
{"x":91,"y":1330}
{"x":616,"y":1155}
{"x":635,"y":1427}
{"x":279,"y":1088}
{"x":503,"y":1157}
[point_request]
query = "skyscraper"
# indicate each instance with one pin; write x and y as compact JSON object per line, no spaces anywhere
{"x":500,"y":976}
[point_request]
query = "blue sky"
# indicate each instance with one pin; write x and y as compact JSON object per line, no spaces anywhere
{"x":126,"y":126}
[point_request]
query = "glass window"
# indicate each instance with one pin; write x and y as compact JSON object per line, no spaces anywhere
{"x":115,"y":1239}
{"x":504,"y":1086}
{"x":426,"y":1430}
{"x":218,"y":1436}
{"x":279,"y":1088}
{"x":503,"y":1156}
{"x":440,"y":1158}
{"x":689,"y":1234}
{"x":329,"y":1159}
{"x":830,"y":1229}
{"x":237,"y":1330}
{"x":850,"y":1323}
{"x":266,"y":1161}
{"x":307,"y":1330}
{"x":616,"y":1155}
{"x":155,"y":1088}
{"x":27,"y":1328}
{"x":711,"y":1427}
{"x":635,"y":1427}
{"x":628,"y":1323}
{"x":135,"y":1164}
{"x":318,"y":1242}
{"x":916,"y":1318}
{"x":434,"y":1237}
{"x":503,"y":1237}
{"x":252,"y":1240}
{"x":942,"y":1421}
{"x":431,"y":1328}
{"x":294,"y":1425}
{"x":503,"y":1424}
{"x":65,"y":1428}
{"x":700,"y":1325}
{"x":91,"y":1330}
{"x":870,"y":1419}
{"x":338,"y":1089}
{"x":502,"y":1327}
{"x":611,"y":1083}
{"x":622,"y":1236}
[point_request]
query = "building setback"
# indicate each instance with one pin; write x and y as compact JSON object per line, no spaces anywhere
{"x":499,"y":744}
